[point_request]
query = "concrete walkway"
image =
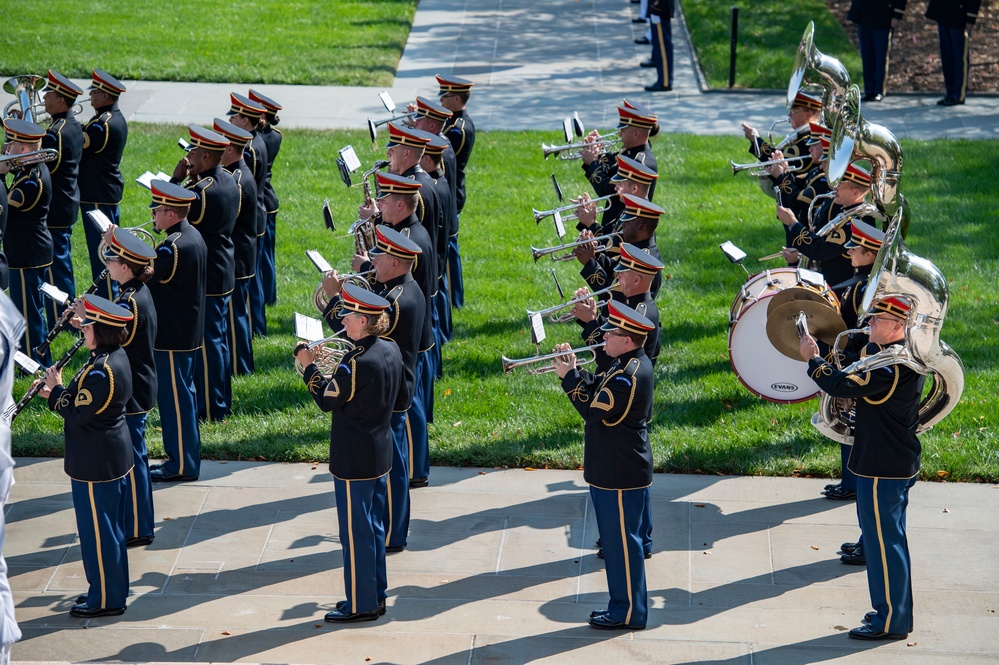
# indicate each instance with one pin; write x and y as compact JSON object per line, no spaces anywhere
{"x":534,"y":63}
{"x":501,"y":568}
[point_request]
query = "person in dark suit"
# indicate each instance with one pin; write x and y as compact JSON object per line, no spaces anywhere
{"x":100,"y":180}
{"x":875,"y":19}
{"x":955,"y":20}
{"x":617,"y":458}
{"x":885,"y":457}
{"x":65,"y":136}
{"x":27,"y":241}
{"x":360,"y":393}
{"x":98,"y":454}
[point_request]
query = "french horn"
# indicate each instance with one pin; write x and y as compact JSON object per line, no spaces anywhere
{"x":329,"y":352}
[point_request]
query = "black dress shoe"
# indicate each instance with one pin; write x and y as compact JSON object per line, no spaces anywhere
{"x":868,"y":632}
{"x":604,"y":622}
{"x":848,"y":548}
{"x":415,"y":483}
{"x":658,"y":88}
{"x":596,"y":613}
{"x":855,"y":558}
{"x":394,"y":549}
{"x":830,"y":486}
{"x":342,"y":604}
{"x":139,"y":541}
{"x":869,"y":617}
{"x":81,"y":611}
{"x":81,"y":599}
{"x":840,"y":494}
{"x":158,"y":475}
{"x":339,"y":616}
{"x":877,"y":97}
{"x":647,"y":64}
{"x":638,"y":20}
{"x":952,"y":102}
{"x":644,"y":41}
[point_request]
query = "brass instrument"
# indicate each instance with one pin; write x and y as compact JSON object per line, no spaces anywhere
{"x":363,"y":230}
{"x":139,"y":231}
{"x":563,"y":318}
{"x":510,"y":365}
{"x":542,"y":214}
{"x":863,"y":209}
{"x":33,"y":157}
{"x":815,"y":199}
{"x":373,"y":124}
{"x":25,"y":88}
{"x":568,"y":256}
{"x":572,"y":151}
{"x":319,"y":298}
{"x":329,"y":352}
{"x":812,"y":67}
{"x":760,"y":167}
{"x":39,"y":383}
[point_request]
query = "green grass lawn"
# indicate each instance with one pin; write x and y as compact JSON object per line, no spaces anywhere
{"x":338,"y":42}
{"x":705,"y":421}
{"x":769,"y":33}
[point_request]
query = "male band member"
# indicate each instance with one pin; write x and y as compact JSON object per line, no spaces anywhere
{"x":393,"y":258}
{"x":432,"y":163}
{"x":130,"y":264}
{"x":796,"y":192}
{"x":178,"y":287}
{"x":805,"y":109}
{"x":885,"y":457}
{"x":245,"y":114}
{"x":636,"y":123}
{"x":632,"y":178}
{"x":638,"y":227}
{"x":660,"y":14}
{"x":101,"y":183}
{"x":27,"y":242}
{"x":65,"y":136}
{"x":955,"y":20}
{"x":266,"y":276}
{"x":617,"y":458}
{"x":875,"y":19}
{"x":828,"y":253}
{"x":250,"y":223}
{"x":360,"y":393}
{"x":397,"y":203}
{"x":460,"y":131}
{"x":433,"y":117}
{"x":213,"y":213}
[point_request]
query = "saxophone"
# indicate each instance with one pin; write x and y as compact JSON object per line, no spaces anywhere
{"x":363,"y":230}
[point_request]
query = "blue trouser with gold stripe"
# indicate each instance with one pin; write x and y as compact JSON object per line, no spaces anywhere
{"x":442,"y":301}
{"x":60,"y":273}
{"x":178,"y":413}
{"x":258,"y":313}
{"x":397,"y":504}
{"x":881,"y":505}
{"x":416,"y":418}
{"x":662,"y":51}
{"x":240,"y":335}
{"x":93,"y":246}
{"x":619,"y":516}
{"x":266,"y":266}
{"x":360,"y":509}
{"x":848,"y":478}
{"x":100,"y":521}
{"x":955,"y":59}
{"x":24,"y":283}
{"x":452,"y":272}
{"x":213,"y":369}
{"x":139,"y":519}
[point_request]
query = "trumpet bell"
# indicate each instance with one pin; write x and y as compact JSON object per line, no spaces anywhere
{"x":812,"y":67}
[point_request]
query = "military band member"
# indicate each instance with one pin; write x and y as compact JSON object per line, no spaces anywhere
{"x":805,"y":109}
{"x":796,"y":192}
{"x":432,"y":163}
{"x":213,"y":213}
{"x":130,"y":264}
{"x":636,"y":123}
{"x":876,"y":20}
{"x":27,"y":241}
{"x":246,"y":114}
{"x":632,"y":178}
{"x":617,"y":458}
{"x":178,"y":288}
{"x":432,"y":117}
{"x":660,"y":18}
{"x":360,"y":393}
{"x":266,"y":275}
{"x":98,"y":454}
{"x":4,"y":270}
{"x":827,"y":252}
{"x":101,"y":183}
{"x":460,"y":131}
{"x":885,"y":457}
{"x":65,"y":136}
{"x":250,"y":223}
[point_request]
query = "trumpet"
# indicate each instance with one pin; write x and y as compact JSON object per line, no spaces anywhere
{"x":759,"y":168}
{"x":373,"y":124}
{"x":568,"y":256}
{"x":563,"y":318}
{"x":510,"y":365}
{"x":541,"y":214}
{"x":574,"y":150}
{"x":33,"y":157}
{"x":319,"y":298}
{"x":329,"y":352}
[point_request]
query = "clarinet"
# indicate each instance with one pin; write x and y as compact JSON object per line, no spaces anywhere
{"x":39,"y":383}
{"x":63,"y":321}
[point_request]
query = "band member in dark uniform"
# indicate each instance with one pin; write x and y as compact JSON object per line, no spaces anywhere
{"x":955,"y":21}
{"x":661,"y":13}
{"x":617,"y":458}
{"x":4,"y":270}
{"x":460,"y":131}
{"x":130,"y":264}
{"x":876,"y":20}
{"x":636,"y":123}
{"x":266,"y":276}
{"x":101,"y":183}
{"x":98,"y":454}
{"x":885,"y":457}
{"x":249,"y":227}
{"x":804,"y":110}
{"x":66,"y":137}
{"x":431,"y":162}
{"x":178,"y":288}
{"x":632,"y":178}
{"x":213,"y":214}
{"x":361,"y":393}
{"x":796,"y":191}
{"x":27,"y":242}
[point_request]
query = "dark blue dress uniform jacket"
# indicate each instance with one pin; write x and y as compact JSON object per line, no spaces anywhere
{"x":27,"y":241}
{"x":138,"y":344}
{"x":272,"y":139}
{"x":213,"y":214}
{"x":459,"y":130}
{"x":66,"y":136}
{"x":248,"y":222}
{"x":104,"y":139}
{"x":178,"y":288}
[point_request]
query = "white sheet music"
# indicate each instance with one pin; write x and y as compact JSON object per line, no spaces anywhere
{"x":53,"y":292}
{"x":308,"y":328}
{"x":99,"y":219}
{"x":538,"y":328}
{"x":387,"y":101}
{"x":28,"y":365}
{"x":349,"y":158}
{"x":322,"y":265}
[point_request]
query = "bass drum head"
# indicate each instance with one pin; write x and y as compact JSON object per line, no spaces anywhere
{"x":764,"y":370}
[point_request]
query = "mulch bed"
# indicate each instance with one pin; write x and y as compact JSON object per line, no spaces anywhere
{"x":915,"y":50}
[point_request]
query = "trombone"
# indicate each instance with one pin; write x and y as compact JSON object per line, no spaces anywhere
{"x":329,"y":352}
{"x":30,"y":158}
{"x":510,"y":365}
{"x":541,"y":214}
{"x":568,"y":256}
{"x":563,"y":318}
{"x":759,"y":168}
{"x":574,"y":150}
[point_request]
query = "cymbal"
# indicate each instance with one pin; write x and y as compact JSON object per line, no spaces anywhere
{"x":794,"y":293}
{"x":824,"y":323}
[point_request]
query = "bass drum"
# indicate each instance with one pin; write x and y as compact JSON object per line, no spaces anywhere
{"x":765,"y":371}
